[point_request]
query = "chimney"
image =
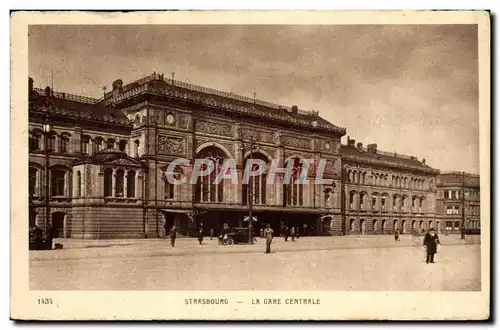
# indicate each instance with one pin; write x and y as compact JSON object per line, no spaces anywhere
{"x":423,"y":161}
{"x":117,"y":87}
{"x":360,"y":146}
{"x":372,"y":148}
{"x":295,"y":109}
{"x":30,"y":85}
{"x":350,"y":142}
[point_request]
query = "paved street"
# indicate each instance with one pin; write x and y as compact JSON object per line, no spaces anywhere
{"x":319,"y":263}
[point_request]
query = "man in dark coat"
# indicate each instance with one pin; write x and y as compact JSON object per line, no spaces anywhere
{"x":200,"y":235}
{"x":431,"y":241}
{"x":285,"y":233}
{"x":173,"y":235}
{"x":38,"y":238}
{"x":396,"y":235}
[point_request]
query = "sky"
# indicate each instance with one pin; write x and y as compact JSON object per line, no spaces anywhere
{"x":412,"y":89}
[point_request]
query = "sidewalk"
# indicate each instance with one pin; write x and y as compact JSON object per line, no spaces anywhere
{"x":75,"y":249}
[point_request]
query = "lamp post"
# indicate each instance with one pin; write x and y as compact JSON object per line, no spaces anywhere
{"x":253,"y":145}
{"x":46,"y":131}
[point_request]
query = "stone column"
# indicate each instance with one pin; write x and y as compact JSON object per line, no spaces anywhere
{"x":125,"y":183}
{"x":279,"y":155}
{"x":113,"y":180}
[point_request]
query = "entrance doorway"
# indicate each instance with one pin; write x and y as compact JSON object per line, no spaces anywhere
{"x":58,"y":224}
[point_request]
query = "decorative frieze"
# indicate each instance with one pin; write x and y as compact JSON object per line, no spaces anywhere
{"x":171,"y":145}
{"x":213,"y":128}
{"x":295,"y":142}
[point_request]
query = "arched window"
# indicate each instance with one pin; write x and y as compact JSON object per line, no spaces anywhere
{"x":404,"y":205}
{"x":349,"y":177}
{"x":131,"y":184}
{"x":421,"y":207}
{"x":395,"y":224}
{"x":136,"y":148}
{"x":58,"y":182}
{"x":414,"y":225}
{"x":351,"y":225}
{"x":374,"y":201}
{"x":295,"y":192}
{"x":119,"y":187}
{"x":64,"y":146}
{"x":123,"y":145}
{"x":362,"y":200}
{"x":78,"y":184}
{"x":394,"y":202}
{"x":34,"y":181}
{"x":207,"y":190}
{"x":352,"y":194}
{"x":108,"y":182}
{"x":375,"y":225}
{"x":384,"y":225}
{"x":383,"y":202}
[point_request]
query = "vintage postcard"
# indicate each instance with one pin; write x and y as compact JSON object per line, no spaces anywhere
{"x":316,"y":165}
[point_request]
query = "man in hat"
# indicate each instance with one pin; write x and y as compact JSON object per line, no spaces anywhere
{"x":173,"y":235}
{"x":431,"y":241}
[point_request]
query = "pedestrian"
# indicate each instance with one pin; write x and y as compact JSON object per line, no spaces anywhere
{"x":285,"y":233}
{"x":268,"y":235}
{"x":396,"y":235}
{"x":431,"y":241}
{"x":48,"y":238}
{"x":292,"y":233}
{"x":261,"y":232}
{"x":38,"y":238}
{"x":200,"y":235}
{"x":211,"y":233}
{"x":173,"y":235}
{"x":297,"y":233}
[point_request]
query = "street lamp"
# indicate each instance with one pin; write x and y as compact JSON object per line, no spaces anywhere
{"x":46,"y":128}
{"x":253,"y":145}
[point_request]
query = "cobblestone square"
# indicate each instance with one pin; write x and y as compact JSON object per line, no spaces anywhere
{"x":310,"y":263}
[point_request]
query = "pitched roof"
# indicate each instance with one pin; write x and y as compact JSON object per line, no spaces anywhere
{"x":70,"y":105}
{"x":382,"y":158}
{"x":109,"y":156}
{"x":457,"y":178}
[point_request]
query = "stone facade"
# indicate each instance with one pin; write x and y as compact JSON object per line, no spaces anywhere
{"x":108,"y":161}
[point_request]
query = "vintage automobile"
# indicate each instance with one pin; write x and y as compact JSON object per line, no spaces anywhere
{"x":237,"y":235}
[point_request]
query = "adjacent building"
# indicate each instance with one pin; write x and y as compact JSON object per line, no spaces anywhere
{"x":458,"y":199}
{"x":104,"y":164}
{"x":385,"y":191}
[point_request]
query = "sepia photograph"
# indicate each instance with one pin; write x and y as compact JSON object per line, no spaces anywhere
{"x":292,"y":161}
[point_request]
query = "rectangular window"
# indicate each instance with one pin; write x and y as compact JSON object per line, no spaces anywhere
{"x":449,"y":225}
{"x":383,"y":203}
{"x":51,"y":143}
{"x":446,"y":194}
{"x":169,"y":190}
{"x":64,"y":144}
{"x":449,"y":210}
{"x":457,"y":225}
{"x":456,"y":210}
{"x":374,"y":202}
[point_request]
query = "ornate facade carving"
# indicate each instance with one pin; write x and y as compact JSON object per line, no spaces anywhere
{"x":88,"y":180}
{"x":296,"y":142}
{"x":171,"y":145}
{"x":213,"y":128}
